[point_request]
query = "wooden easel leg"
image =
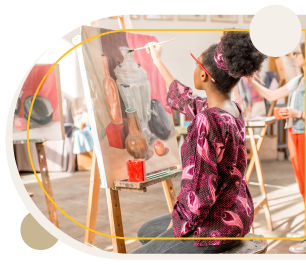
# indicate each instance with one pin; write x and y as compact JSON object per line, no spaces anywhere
{"x":271,"y":109}
{"x":268,"y":216}
{"x":258,"y":146}
{"x":46,"y":182}
{"x":264,"y":201}
{"x":115,"y":220}
{"x":259,"y":143}
{"x":93,"y":201}
{"x":170,"y":193}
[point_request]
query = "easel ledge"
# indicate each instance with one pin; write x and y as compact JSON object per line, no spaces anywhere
{"x":142,"y":186}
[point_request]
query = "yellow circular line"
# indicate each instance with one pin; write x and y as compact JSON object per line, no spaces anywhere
{"x":117,"y":237}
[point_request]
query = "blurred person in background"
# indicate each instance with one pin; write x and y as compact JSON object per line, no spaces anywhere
{"x":295,"y":115}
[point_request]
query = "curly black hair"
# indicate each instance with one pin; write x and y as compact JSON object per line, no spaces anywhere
{"x":240,"y":55}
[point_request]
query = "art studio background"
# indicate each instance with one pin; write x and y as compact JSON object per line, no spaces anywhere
{"x":70,"y":160}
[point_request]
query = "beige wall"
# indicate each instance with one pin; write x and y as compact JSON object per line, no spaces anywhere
{"x":176,"y":54}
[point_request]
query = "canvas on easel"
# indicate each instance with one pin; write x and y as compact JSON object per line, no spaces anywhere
{"x":128,"y":101}
{"x":286,"y":68}
{"x":46,"y":120}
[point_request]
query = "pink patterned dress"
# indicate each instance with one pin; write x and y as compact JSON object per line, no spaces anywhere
{"x":214,"y":200}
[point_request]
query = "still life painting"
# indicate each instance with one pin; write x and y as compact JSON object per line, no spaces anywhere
{"x":46,"y":121}
{"x":128,"y":98}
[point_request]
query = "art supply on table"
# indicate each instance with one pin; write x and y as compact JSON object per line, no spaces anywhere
{"x":155,"y":44}
{"x":136,"y":170}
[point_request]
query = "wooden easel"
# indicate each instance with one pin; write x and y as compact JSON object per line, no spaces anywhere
{"x":282,"y":77}
{"x":112,"y":194}
{"x":255,"y":161}
{"x":41,"y":154}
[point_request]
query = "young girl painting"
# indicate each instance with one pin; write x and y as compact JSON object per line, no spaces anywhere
{"x":214,"y":200}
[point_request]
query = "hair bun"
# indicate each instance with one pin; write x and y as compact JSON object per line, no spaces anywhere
{"x":241,"y":56}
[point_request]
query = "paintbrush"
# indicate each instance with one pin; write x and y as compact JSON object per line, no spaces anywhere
{"x":258,"y":79}
{"x":155,"y":44}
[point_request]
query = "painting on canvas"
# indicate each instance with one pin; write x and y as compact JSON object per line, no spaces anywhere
{"x":192,"y":17}
{"x":158,"y":17}
{"x":128,"y":101}
{"x":248,"y":18}
{"x":46,"y":121}
{"x":224,"y":18}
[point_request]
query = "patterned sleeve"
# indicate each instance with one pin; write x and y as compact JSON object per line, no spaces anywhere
{"x":199,"y":178}
{"x":180,"y":98}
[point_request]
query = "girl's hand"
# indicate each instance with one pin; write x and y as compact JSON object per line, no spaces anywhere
{"x":170,"y":225}
{"x":251,"y":79}
{"x":289,"y":113}
{"x":155,"y":50}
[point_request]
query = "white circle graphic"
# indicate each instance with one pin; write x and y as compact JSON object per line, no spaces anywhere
{"x":275,"y":30}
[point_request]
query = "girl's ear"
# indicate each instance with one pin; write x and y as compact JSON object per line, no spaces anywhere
{"x":204,"y":76}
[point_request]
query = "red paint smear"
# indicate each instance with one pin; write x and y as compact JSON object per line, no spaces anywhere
{"x":157,"y":83}
{"x":47,"y":90}
{"x":136,"y":170}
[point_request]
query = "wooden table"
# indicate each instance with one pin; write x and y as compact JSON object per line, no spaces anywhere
{"x":255,"y":161}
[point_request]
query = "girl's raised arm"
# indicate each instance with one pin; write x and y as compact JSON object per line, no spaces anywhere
{"x":179,"y":96}
{"x":155,"y":50}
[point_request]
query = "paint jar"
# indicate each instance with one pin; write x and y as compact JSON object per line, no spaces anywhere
{"x":136,"y":170}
